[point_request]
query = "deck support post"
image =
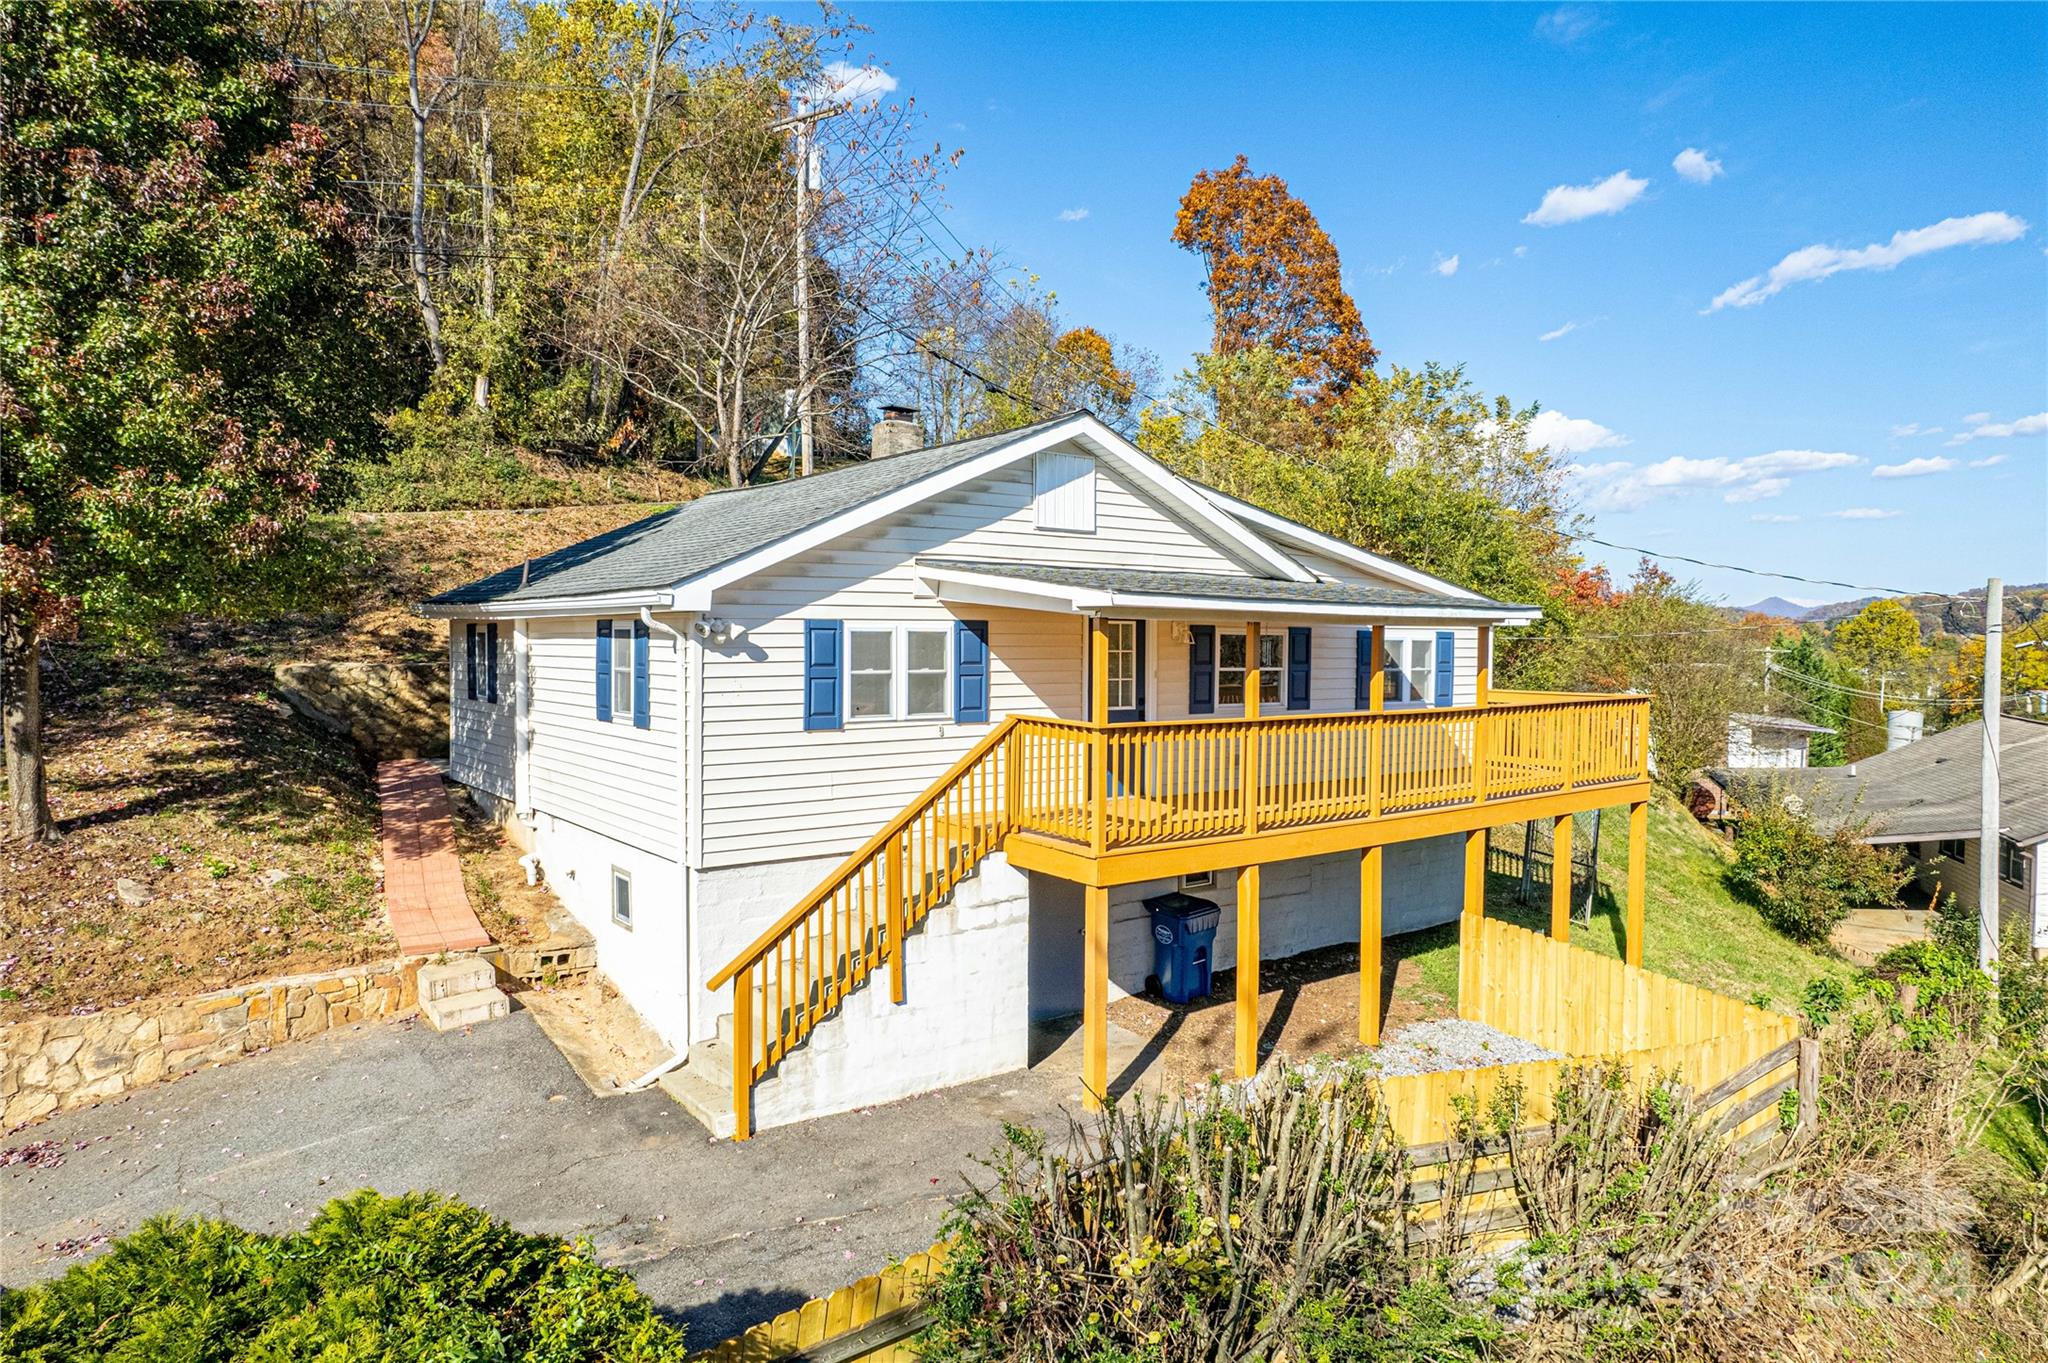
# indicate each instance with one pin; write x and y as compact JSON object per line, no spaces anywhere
{"x":1095,"y":998}
{"x":1638,"y":876}
{"x":743,"y":1054}
{"x":1469,"y":921}
{"x":1560,"y":877}
{"x":1369,"y":930}
{"x":1248,"y":972}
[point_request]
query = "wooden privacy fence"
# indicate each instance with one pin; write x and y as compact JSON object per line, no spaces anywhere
{"x":1589,"y":1007}
{"x":871,"y":1321}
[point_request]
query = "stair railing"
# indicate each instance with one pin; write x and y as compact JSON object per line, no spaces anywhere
{"x":797,"y":971}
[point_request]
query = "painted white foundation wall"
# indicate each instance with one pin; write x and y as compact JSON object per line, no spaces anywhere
{"x":964,"y":1014}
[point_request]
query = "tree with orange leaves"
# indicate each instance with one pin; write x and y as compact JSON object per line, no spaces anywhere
{"x":1274,"y":279}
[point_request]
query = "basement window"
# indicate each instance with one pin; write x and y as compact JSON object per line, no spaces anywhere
{"x":622,"y":897}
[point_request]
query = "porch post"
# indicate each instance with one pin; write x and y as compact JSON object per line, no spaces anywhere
{"x":1561,"y":877}
{"x":1248,"y":758}
{"x":1095,"y":998}
{"x":1098,"y":742}
{"x":1638,"y":876}
{"x":1469,"y":921}
{"x":1483,"y":682}
{"x":1376,"y":692}
{"x":1369,"y":928}
{"x":1248,"y":972}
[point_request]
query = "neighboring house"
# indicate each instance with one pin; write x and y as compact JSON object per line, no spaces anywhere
{"x":855,"y":776}
{"x":1769,"y":741}
{"x":1926,"y":798}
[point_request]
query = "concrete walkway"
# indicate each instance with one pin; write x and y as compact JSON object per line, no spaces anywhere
{"x":720,"y":1235}
{"x":429,"y":909}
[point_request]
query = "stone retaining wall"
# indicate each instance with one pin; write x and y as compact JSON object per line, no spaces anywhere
{"x":56,"y":1064}
{"x":388,"y":709}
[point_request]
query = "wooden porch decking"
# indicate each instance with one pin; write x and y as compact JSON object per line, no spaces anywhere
{"x":1101,"y":805}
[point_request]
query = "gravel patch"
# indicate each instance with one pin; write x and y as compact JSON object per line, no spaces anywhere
{"x":1449,"y":1044}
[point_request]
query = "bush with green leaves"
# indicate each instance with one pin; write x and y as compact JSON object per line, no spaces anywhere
{"x":419,"y":1277}
{"x":1806,"y":879}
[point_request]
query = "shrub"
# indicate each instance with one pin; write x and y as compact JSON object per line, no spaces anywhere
{"x":372,"y":1277}
{"x":1804,"y":880}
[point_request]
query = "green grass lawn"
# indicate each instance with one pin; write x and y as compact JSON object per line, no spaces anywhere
{"x":1695,"y":929}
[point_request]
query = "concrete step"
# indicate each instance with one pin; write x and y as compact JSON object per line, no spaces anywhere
{"x":459,"y":975}
{"x":453,"y":1011}
{"x":703,"y":1087}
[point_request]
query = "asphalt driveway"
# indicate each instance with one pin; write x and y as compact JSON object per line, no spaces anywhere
{"x":720,"y":1235}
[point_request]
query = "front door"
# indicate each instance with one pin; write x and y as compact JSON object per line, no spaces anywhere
{"x":1126,"y":670}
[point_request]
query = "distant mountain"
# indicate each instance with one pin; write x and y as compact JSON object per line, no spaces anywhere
{"x":1960,"y":614}
{"x":1779,"y":608}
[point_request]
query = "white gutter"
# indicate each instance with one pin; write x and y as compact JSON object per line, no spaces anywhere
{"x":609,"y":603}
{"x":1096,"y":601}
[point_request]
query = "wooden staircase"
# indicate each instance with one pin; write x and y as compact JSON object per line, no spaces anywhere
{"x":850,"y":927}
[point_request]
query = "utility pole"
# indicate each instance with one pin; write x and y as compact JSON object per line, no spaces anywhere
{"x":1987,"y":845}
{"x":807,"y":179}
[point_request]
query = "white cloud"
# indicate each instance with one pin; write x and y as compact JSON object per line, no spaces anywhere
{"x":1695,"y":165}
{"x":1446,"y":266}
{"x":1992,"y":462}
{"x":1073,"y":214}
{"x":1571,"y":434}
{"x":1621,"y":486}
{"x":845,"y":83}
{"x":1567,"y":329}
{"x":1775,"y":518}
{"x":1862,"y":513}
{"x":1914,"y":468}
{"x":1521,"y":251}
{"x":1913,"y":428}
{"x":1983,"y":428}
{"x":1572,"y":203}
{"x":1810,"y":263}
{"x":1569,"y":25}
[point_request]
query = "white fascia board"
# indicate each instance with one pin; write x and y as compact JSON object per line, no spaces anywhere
{"x":539,"y":608}
{"x":1283,"y":528}
{"x":1180,"y":493}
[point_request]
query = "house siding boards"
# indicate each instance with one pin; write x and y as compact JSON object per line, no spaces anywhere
{"x":2025,"y":906}
{"x":481,"y":740}
{"x":608,"y":777}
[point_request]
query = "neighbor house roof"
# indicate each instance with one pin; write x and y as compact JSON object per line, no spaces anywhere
{"x":1931,"y":788}
{"x":1789,"y":725}
{"x":676,"y":545}
{"x":1091,"y":588}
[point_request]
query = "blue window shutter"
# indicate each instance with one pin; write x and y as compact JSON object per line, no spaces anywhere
{"x":1298,"y":647}
{"x":1201,"y":669}
{"x":821,"y":674}
{"x":469,"y":664}
{"x":970,"y":671}
{"x":1446,"y":667}
{"x":1361,"y":685}
{"x":491,"y":661}
{"x":604,"y":670}
{"x":640,"y":716}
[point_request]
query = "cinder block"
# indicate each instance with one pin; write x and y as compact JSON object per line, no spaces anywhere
{"x":463,"y":975}
{"x":465,"y":1010}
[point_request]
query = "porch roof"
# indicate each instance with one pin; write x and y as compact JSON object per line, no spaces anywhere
{"x":1093,"y":590}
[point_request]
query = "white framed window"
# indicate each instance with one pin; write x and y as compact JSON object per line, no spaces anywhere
{"x":1952,"y":848}
{"x":1063,"y":491}
{"x":1230,"y":656}
{"x":1198,"y":880}
{"x":899,"y":671}
{"x":622,"y":671}
{"x":622,"y":897}
{"x":1411,"y":670}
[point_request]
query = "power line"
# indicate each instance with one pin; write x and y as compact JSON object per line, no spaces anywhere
{"x":1760,"y":572}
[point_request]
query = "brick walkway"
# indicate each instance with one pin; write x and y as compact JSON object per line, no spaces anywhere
{"x":422,"y":876}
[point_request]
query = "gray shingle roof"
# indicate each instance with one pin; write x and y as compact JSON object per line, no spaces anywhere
{"x":1931,"y":787}
{"x":1252,"y":590}
{"x":676,"y":545}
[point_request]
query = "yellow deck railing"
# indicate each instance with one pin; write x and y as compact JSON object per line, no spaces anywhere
{"x":1149,"y":786}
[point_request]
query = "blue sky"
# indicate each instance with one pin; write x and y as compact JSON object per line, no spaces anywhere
{"x":1907,"y":145}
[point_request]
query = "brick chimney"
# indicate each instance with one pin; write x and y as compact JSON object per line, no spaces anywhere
{"x":896,"y":433}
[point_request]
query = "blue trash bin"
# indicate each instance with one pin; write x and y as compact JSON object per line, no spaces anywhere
{"x":1183,"y":944}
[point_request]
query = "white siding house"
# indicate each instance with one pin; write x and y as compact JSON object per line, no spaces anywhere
{"x":814,"y":654}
